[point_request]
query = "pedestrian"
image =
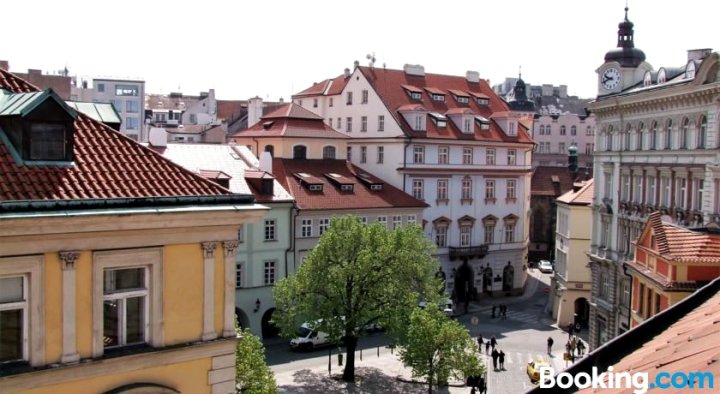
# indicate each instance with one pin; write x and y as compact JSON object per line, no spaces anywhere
{"x":570,"y":330}
{"x":501,"y":359}
{"x":482,"y":388}
{"x":493,"y":312}
{"x":480,"y":343}
{"x":550,"y":343}
{"x":504,"y":312}
{"x":472,"y":390}
{"x":495,"y":356}
{"x":581,"y":347}
{"x":493,"y":342}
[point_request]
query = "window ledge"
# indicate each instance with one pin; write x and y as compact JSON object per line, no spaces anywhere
{"x":489,"y":201}
{"x":441,"y":201}
{"x":510,"y":200}
{"x":464,"y":201}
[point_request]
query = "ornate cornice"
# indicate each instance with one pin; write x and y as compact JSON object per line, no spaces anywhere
{"x":208,"y":249}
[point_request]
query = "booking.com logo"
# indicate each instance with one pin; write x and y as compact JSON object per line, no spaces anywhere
{"x":614,"y":380}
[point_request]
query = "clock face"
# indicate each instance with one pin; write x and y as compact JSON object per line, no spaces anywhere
{"x":610,"y":78}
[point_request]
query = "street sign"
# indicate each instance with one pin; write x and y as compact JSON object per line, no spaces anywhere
{"x":546,"y":290}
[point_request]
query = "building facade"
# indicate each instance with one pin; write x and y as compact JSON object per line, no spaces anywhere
{"x":570,"y":286}
{"x":451,"y":142}
{"x":116,"y":265}
{"x":656,"y":149}
{"x":128,"y":97}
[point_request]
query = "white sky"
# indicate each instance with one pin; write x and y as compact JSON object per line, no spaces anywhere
{"x":275,"y":48}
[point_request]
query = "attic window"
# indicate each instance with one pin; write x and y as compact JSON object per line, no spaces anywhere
{"x":483,"y":101}
{"x":376,"y":187}
{"x":268,"y":124}
{"x":415,"y":96}
{"x":315,"y":188}
{"x":647,"y":80}
{"x":438,"y":97}
{"x":462,"y":99}
{"x":483,"y":122}
{"x":47,"y":141}
{"x":440,"y":120}
{"x":346,"y":188}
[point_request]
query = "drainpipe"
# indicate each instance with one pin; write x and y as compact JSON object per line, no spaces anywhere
{"x":292,"y":236}
{"x":631,"y":295}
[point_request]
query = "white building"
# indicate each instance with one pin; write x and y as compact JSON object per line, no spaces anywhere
{"x":450,"y":141}
{"x":128,"y":97}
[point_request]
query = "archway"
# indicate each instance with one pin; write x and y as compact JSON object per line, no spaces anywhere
{"x":464,"y":286}
{"x":268,"y":329}
{"x":487,"y":280}
{"x":241,"y":318}
{"x":582,"y":311}
{"x":508,"y":277}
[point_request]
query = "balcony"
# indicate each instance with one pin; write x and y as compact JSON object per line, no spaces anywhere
{"x":467,"y":252}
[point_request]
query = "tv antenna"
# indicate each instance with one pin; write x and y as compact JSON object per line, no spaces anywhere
{"x":371,"y":57}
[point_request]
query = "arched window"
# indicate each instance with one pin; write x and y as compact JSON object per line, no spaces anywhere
{"x":653,"y":135}
{"x":271,"y":149}
{"x":329,"y":152}
{"x":668,"y":134}
{"x":299,"y":152}
{"x":702,"y":133}
{"x":608,"y":139}
{"x":639,"y":136}
{"x":684,"y":133}
{"x":573,"y":130}
{"x":628,"y":129}
{"x":562,"y":130}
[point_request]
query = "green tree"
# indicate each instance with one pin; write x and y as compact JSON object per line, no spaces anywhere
{"x":358,"y":275}
{"x":437,"y":348}
{"x":252,"y":375}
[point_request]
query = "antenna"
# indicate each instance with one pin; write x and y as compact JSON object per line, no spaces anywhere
{"x":371,"y":58}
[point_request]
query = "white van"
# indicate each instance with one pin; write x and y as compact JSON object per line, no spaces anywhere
{"x":446,"y":306}
{"x":309,"y":338}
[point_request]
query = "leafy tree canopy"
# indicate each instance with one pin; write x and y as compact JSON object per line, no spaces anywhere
{"x":252,"y":375}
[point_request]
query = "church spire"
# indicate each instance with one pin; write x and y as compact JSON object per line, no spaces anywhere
{"x":626,"y":54}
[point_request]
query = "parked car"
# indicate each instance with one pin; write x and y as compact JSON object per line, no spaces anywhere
{"x":309,"y":338}
{"x":545,"y":266}
{"x":446,"y":305}
{"x":533,"y":369}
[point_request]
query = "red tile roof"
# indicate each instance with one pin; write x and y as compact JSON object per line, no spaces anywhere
{"x":331,"y":197}
{"x":291,"y":120}
{"x":679,"y":244}
{"x":392,"y":86}
{"x":583,"y":196}
{"x":691,"y":343}
{"x":328,"y":87}
{"x":543,"y":181}
{"x":107,"y":165}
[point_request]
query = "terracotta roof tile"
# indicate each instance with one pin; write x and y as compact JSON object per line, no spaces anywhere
{"x":103,"y":162}
{"x":550,"y":181}
{"x":583,"y":196}
{"x":291,"y":120}
{"x":683,"y":245}
{"x":331,"y":197}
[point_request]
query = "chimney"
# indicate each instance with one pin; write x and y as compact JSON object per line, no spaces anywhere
{"x":255,"y":110}
{"x":573,"y":161}
{"x":698,"y":54}
{"x":4,"y":65}
{"x":347,"y":73}
{"x":473,"y":76}
{"x":414,"y":69}
{"x":157,"y":137}
{"x":266,"y":162}
{"x":356,"y":63}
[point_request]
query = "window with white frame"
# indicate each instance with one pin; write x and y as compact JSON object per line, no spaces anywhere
{"x":607,"y":187}
{"x":509,"y":232}
{"x":418,"y":154}
{"x":651,"y":189}
{"x":365,"y":96}
{"x":349,"y":98}
{"x":511,"y":157}
{"x":637,"y":189}
{"x":465,"y":235}
{"x":411,"y":219}
{"x":605,"y":231}
{"x":573,"y":130}
{"x":238,"y":275}
{"x":396,"y":221}
{"x":466,"y":188}
{"x":363,"y":154}
{"x":331,"y":102}
{"x":467,"y":157}
{"x":665,"y":186}
{"x":382,"y":220}
{"x":13,"y":318}
{"x":668,"y":134}
{"x":306,"y":228}
{"x":489,"y":233}
{"x":419,"y":122}
{"x":589,"y":130}
{"x":348,"y":124}
{"x":417,"y":188}
{"x":323,"y":225}
{"x":349,"y":153}
{"x":269,"y":273}
{"x":512,"y":130}
{"x":381,"y":122}
{"x":339,"y":123}
{"x":639,"y":136}
{"x":604,"y":290}
{"x":698,"y":193}
{"x":562,"y":130}
{"x":685,"y":134}
{"x":442,"y":189}
{"x":625,"y":190}
{"x":441,"y":235}
{"x":380,"y":154}
{"x":511,"y":189}
{"x":443,"y":154}
{"x":490,"y":156}
{"x":270,"y":230}
{"x":363,"y":123}
{"x":364,"y":220}
{"x":681,"y":195}
{"x":125,"y":306}
{"x":561,"y":148}
{"x":489,"y":189}
{"x":328,"y":152}
{"x":589,"y":148}
{"x":241,"y":233}
{"x":467,"y":125}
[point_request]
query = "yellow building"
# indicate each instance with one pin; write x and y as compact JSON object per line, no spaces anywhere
{"x":571,"y":283}
{"x":117,"y":267}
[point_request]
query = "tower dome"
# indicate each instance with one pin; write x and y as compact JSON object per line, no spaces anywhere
{"x":626,"y":54}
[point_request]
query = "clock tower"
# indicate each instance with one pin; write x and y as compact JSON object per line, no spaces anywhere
{"x":624,"y":66}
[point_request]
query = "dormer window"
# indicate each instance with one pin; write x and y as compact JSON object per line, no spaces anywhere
{"x":647,"y":79}
{"x":661,"y":76}
{"x":436,"y":94}
{"x":310,"y":182}
{"x":483,"y":101}
{"x":419,"y":122}
{"x":438,"y":97}
{"x":375,"y":184}
{"x":460,"y":96}
{"x":412,"y":91}
{"x":512,"y":131}
{"x":344,"y":183}
{"x":415,"y":96}
{"x":39,"y":126}
{"x":690,"y":70}
{"x":483,"y":122}
{"x":440,"y":120}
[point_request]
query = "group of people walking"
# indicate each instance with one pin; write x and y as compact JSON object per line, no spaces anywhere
{"x":498,"y":356}
{"x":502,"y":311}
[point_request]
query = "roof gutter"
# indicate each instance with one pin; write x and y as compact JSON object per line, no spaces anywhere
{"x":109,"y":203}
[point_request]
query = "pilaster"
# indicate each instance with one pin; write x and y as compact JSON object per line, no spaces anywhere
{"x":208,"y":292}
{"x":230,"y":248}
{"x":68,"y":260}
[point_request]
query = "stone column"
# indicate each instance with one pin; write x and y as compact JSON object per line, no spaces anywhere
{"x":229,"y":288}
{"x":209,"y":291}
{"x":69,"y":291}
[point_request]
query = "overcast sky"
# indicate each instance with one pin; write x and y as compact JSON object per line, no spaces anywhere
{"x":273,"y":49}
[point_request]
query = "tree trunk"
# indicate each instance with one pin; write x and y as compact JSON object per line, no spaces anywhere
{"x":431,"y":375}
{"x":350,"y":346}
